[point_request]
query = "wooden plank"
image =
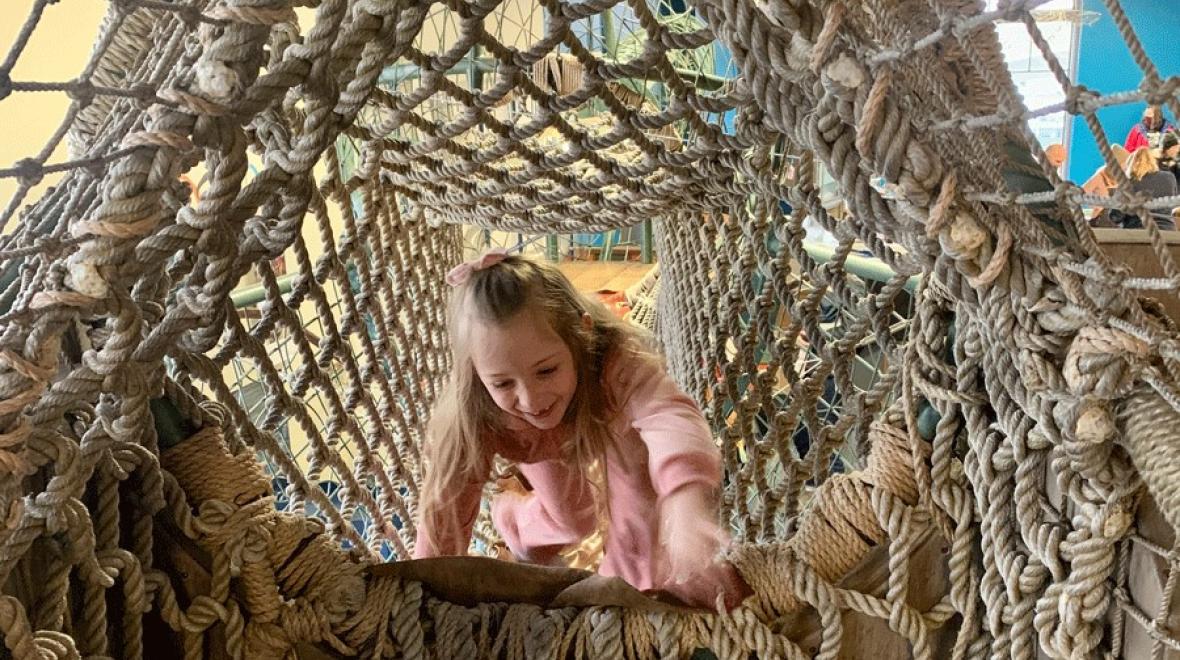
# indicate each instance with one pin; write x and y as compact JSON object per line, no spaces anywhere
{"x":1132,"y":248}
{"x":590,"y":276}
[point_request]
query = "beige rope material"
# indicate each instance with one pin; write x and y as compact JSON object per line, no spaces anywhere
{"x":957,"y":471}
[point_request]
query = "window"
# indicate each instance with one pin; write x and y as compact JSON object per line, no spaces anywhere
{"x":1058,"y":22}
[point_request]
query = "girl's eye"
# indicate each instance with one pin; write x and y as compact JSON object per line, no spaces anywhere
{"x":547,"y":370}
{"x":501,"y":384}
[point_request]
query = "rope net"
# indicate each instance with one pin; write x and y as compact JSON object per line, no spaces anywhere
{"x":212,"y":397}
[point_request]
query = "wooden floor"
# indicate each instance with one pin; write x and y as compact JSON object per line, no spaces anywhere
{"x":590,"y":276}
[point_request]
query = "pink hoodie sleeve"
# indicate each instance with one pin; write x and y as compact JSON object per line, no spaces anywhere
{"x":451,"y":527}
{"x":680,"y":447}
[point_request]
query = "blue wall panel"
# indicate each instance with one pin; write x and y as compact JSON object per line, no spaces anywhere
{"x":1105,"y":65}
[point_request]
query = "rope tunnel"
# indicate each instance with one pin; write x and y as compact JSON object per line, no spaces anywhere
{"x":947,"y":429}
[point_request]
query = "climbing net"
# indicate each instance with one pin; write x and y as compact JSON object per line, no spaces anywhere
{"x":212,"y":396}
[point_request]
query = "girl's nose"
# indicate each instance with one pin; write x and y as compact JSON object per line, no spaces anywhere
{"x":529,"y":399}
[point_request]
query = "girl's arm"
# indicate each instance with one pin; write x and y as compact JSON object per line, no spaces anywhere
{"x":685,"y":469}
{"x":680,"y":447}
{"x":446,"y":531}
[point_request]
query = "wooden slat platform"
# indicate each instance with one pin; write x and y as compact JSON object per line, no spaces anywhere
{"x":590,"y":276}
{"x":1132,"y":247}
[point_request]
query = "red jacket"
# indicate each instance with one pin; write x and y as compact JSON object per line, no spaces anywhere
{"x":1139,"y":136}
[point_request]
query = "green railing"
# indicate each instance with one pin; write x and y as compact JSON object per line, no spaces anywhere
{"x":252,"y":295}
{"x":869,"y":268}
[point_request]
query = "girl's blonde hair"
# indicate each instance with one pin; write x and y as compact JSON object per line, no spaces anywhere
{"x":1141,"y":163}
{"x":465,"y":416}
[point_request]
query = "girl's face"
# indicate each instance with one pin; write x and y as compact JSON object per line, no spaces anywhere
{"x":526,"y":367}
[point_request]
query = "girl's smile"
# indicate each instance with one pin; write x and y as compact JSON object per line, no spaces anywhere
{"x":526,"y":368}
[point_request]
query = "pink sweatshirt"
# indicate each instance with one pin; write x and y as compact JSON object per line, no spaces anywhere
{"x":661,"y":443}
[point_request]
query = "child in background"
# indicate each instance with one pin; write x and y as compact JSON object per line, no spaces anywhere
{"x":1102,"y":182}
{"x":547,"y":379}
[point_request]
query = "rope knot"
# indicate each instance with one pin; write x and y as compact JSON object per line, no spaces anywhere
{"x":217,"y":412}
{"x":216,"y":81}
{"x":846,"y":72}
{"x":1037,"y":373}
{"x":242,"y":530}
{"x":1154,"y":94}
{"x":198,"y":303}
{"x":1108,"y":294}
{"x":1102,"y":361}
{"x":82,"y":91}
{"x":965,"y":237}
{"x":29,"y":171}
{"x":1080,"y":100}
{"x":1056,"y":314}
{"x":1095,"y":422}
{"x":84,"y":278}
{"x":1112,"y":520}
{"x":53,"y":510}
{"x":1131,"y":202}
{"x":1088,"y":427}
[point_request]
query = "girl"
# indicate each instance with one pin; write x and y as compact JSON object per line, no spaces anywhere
{"x":547,"y":379}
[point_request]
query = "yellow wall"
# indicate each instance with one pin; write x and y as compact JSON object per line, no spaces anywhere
{"x":57,"y":52}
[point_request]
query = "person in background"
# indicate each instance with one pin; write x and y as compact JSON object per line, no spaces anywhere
{"x":1102,"y":182}
{"x":1169,"y":153}
{"x":1055,"y":154}
{"x":1144,"y":177}
{"x":1149,"y":131}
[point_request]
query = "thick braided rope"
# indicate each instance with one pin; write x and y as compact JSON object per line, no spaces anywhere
{"x":1051,"y":357}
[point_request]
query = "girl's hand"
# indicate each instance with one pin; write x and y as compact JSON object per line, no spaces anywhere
{"x":692,"y":541}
